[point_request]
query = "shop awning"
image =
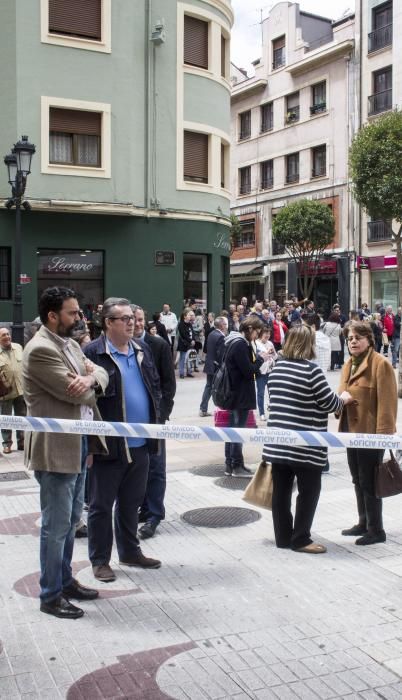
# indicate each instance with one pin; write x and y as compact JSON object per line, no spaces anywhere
{"x":246,"y":269}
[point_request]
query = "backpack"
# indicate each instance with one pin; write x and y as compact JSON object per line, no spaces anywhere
{"x":222,"y":393}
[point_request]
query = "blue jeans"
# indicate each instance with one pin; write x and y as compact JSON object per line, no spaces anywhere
{"x":153,"y":506}
{"x":261,"y":381}
{"x":61,"y":502}
{"x":396,"y":342}
{"x":234,"y":450}
{"x":182,"y":362}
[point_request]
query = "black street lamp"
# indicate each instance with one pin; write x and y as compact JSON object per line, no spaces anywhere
{"x":18,"y":164}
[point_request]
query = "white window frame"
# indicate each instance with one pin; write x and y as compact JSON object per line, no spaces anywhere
{"x":215,"y":138}
{"x":104,"y":46}
{"x":104,"y":171}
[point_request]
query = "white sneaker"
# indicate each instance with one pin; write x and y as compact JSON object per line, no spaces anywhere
{"x":262,"y":417}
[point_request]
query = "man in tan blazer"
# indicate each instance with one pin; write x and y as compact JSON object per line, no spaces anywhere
{"x":59,"y":382}
{"x":10,"y":368}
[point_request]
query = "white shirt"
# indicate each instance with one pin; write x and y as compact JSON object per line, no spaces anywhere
{"x":322,"y":350}
{"x":169,"y":320}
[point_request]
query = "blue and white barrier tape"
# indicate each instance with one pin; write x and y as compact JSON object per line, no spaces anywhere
{"x":272,"y":436}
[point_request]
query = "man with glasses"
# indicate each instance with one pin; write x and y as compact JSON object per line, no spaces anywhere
{"x":119,"y":479}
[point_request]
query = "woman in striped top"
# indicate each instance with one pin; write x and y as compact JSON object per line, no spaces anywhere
{"x":300,"y":399}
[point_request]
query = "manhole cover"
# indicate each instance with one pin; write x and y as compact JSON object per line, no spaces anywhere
{"x":209,"y":470}
{"x":232,"y":483}
{"x":13,"y":476}
{"x":220,"y":517}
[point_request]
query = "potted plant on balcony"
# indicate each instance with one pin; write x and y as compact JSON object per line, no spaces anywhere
{"x":319,"y":107}
{"x":291,"y":116}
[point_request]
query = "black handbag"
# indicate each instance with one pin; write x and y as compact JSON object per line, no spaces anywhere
{"x":388,"y":480}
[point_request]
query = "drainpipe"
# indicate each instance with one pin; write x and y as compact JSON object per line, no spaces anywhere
{"x":147,"y":65}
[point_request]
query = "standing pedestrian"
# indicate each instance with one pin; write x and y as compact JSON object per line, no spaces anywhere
{"x":215,"y":345}
{"x":169,"y":320}
{"x":396,"y":338}
{"x":186,"y":340}
{"x":59,"y":383}
{"x":117,"y":481}
{"x":11,"y":370}
{"x":388,"y":324}
{"x":264,"y":345}
{"x":332,"y":329}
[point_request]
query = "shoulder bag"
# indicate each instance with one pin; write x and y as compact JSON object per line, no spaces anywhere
{"x":388,"y":480}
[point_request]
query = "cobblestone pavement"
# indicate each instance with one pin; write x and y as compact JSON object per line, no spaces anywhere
{"x":227,"y":616}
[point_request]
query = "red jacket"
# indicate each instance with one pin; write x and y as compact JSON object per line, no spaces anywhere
{"x":276,"y":327}
{"x":388,"y":323}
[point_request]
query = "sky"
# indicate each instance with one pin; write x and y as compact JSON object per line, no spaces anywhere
{"x":246,"y":33}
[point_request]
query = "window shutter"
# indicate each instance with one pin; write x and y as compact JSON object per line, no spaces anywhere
{"x":76,"y":17}
{"x":195,"y":42}
{"x":73,"y":121}
{"x":279,"y":43}
{"x":195,"y":156}
{"x":223,"y":56}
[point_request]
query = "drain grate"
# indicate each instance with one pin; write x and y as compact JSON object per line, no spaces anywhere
{"x":209,"y":470}
{"x":232,"y":483}
{"x":13,"y":476}
{"x":220,"y":517}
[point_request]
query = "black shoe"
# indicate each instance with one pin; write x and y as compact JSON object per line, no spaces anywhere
{"x":142,"y":561}
{"x":79,"y":592}
{"x":355,"y":531}
{"x":61,"y":607}
{"x":142,"y":517}
{"x":148,"y":529}
{"x":82,"y":531}
{"x":228,"y":470}
{"x":372,"y":538}
{"x":190,"y":375}
{"x":242,"y":472}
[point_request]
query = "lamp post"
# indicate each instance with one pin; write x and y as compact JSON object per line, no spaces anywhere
{"x":18,"y":164}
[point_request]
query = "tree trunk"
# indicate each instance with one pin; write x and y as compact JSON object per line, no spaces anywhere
{"x":398,"y":241}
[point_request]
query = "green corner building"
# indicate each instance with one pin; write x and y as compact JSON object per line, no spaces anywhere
{"x":128,"y":104}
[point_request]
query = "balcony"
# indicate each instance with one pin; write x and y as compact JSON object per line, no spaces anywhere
{"x":378,"y":231}
{"x":320,"y":171}
{"x":380,"y":38}
{"x":292,"y":115}
{"x":245,"y":188}
{"x":318,"y":108}
{"x":267,"y":125}
{"x":267,"y":183}
{"x":245,"y":134}
{"x":291,"y":178}
{"x":380,"y":102}
{"x":277,"y":248}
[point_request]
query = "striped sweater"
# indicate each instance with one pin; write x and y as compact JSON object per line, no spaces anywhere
{"x":299,"y":399}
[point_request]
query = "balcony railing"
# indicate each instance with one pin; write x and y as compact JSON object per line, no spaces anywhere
{"x":267,"y":183}
{"x":245,"y":133}
{"x":319,"y":172}
{"x":245,"y":188}
{"x":267,"y":125}
{"x":380,"y":102}
{"x":319,"y":107}
{"x":292,"y":115}
{"x":380,"y":38}
{"x":379,"y":231}
{"x":277,"y":248}
{"x":292,"y":177}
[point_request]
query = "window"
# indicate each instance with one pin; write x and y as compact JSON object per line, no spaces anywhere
{"x":319,"y":161}
{"x":381,"y":100}
{"x":267,"y":117}
{"x":381,"y":35}
{"x":245,"y":180}
{"x":82,"y":270}
{"x":196,"y":41}
{"x":278,"y":53}
{"x":76,"y":18}
{"x":292,"y":168}
{"x":5,"y":273}
{"x":224,"y":166}
{"x":267,"y":174}
{"x":246,"y":237}
{"x":292,"y":108}
{"x":318,"y":98}
{"x":245,"y":125}
{"x":195,"y":157}
{"x":378,"y":231}
{"x":75,"y":137}
{"x":224,"y":52}
{"x":195,"y":278}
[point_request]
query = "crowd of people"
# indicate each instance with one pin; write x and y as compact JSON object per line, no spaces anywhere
{"x":120,"y":367}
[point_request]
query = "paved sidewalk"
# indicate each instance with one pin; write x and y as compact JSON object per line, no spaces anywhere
{"x":227,"y":616}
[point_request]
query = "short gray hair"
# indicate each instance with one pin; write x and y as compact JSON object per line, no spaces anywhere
{"x":219,"y":320}
{"x":108,"y":306}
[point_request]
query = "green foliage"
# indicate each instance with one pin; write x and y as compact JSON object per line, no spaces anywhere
{"x":305,"y":228}
{"x":375,"y":164}
{"x":235,"y":230}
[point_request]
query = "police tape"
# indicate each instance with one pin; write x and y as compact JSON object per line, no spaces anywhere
{"x":192,"y":433}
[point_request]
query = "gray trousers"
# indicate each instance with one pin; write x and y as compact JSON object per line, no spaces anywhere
{"x":6,"y":409}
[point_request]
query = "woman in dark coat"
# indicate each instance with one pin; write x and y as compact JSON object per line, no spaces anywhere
{"x":242,"y":363}
{"x":186,"y":339}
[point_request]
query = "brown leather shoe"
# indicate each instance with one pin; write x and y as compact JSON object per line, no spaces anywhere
{"x":313,"y":548}
{"x":104,"y":573}
{"x":142,"y":561}
{"x":7,"y":449}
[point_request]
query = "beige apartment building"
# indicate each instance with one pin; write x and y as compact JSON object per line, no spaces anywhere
{"x":378,"y":42}
{"x":291,"y":127}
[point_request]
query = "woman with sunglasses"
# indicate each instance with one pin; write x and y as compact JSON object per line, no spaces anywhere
{"x":370,"y":379}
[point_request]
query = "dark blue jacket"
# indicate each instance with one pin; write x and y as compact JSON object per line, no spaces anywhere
{"x":215,"y":345}
{"x":111,"y":405}
{"x":242,"y":368}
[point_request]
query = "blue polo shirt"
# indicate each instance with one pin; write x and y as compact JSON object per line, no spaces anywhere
{"x":136,"y":396}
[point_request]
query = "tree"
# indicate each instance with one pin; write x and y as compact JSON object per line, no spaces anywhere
{"x":375,"y":165}
{"x":235,"y":232}
{"x":305,"y":228}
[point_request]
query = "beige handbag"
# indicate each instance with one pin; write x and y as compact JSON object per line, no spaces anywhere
{"x":259,"y":490}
